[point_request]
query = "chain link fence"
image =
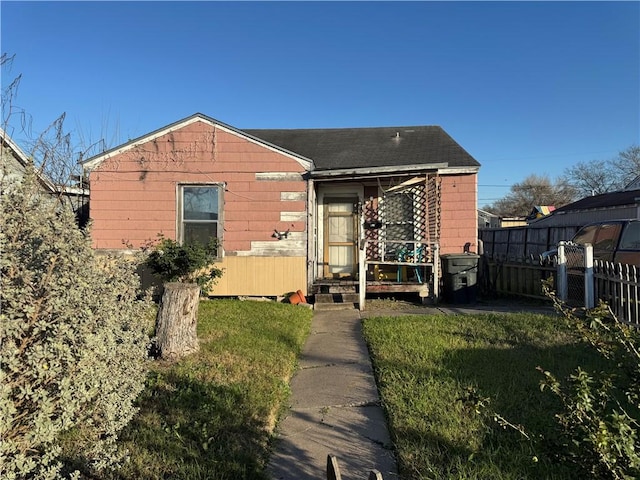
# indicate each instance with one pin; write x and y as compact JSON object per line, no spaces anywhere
{"x":575,"y":274}
{"x":575,"y":269}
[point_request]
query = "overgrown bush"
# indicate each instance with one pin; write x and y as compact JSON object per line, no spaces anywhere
{"x":191,"y":262}
{"x":602,"y":409}
{"x":72,"y":342}
{"x":599,"y":422}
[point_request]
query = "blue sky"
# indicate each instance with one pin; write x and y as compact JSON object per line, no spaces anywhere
{"x":524,"y":87}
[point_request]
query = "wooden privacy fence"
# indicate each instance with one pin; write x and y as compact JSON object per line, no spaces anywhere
{"x":521,"y":242}
{"x":513,"y":277}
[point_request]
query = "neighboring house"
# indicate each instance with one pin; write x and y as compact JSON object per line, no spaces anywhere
{"x":544,"y":233}
{"x":508,"y":222}
{"x":13,"y":166}
{"x":490,"y":220}
{"x":487,"y":219}
{"x":606,"y":206}
{"x":293,"y":209}
{"x":540,"y":211}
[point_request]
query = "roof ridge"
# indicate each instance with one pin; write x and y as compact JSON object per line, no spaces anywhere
{"x":344,"y":128}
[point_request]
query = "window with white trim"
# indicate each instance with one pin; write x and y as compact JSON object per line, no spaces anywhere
{"x":200,"y":213}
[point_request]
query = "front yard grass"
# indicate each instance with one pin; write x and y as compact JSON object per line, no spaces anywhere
{"x":442,"y":378}
{"x":211,"y":414}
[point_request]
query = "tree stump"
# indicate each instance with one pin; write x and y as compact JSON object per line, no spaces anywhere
{"x":177,"y":320}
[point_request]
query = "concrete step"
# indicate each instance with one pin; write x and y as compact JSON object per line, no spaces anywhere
{"x":342,"y":289}
{"x":335,"y":301}
{"x":336,"y":298}
{"x":334,"y":306}
{"x":335,"y":287}
{"x":323,"y":298}
{"x":351,"y":297}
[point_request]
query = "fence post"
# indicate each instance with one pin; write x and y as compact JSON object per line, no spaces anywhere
{"x":562,"y":290}
{"x":589,"y":294}
{"x":362,"y":274}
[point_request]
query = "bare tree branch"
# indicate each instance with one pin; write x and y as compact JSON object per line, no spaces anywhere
{"x":601,"y":176}
{"x":533,"y":190}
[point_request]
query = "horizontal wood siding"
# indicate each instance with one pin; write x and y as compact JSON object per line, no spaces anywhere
{"x":133,"y":193}
{"x":262,"y":276}
{"x":459,"y":218}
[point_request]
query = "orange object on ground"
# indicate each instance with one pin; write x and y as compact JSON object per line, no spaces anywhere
{"x":297,"y":297}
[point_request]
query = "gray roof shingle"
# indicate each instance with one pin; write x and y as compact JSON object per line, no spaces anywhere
{"x":604,"y":200}
{"x":336,"y":148}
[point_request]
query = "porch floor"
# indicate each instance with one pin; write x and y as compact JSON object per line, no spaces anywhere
{"x":343,"y":285}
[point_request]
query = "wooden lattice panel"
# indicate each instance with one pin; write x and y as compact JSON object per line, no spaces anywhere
{"x":403,"y":214}
{"x":433,"y":208}
{"x":371,"y":219}
{"x":407,"y":212}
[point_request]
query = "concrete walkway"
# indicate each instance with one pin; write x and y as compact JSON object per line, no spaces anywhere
{"x":335,"y":407}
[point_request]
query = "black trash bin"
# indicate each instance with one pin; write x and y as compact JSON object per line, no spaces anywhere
{"x":459,"y":277}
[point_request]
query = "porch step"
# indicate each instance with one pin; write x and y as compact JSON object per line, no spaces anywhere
{"x":335,"y":287}
{"x":330,"y":301}
{"x":336,"y":298}
{"x":334,"y":306}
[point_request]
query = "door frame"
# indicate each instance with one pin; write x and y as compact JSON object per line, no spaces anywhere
{"x":337,"y":192}
{"x":353,"y":242}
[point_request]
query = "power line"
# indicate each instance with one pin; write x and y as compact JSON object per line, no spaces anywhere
{"x":558,"y":155}
{"x":531,"y":185}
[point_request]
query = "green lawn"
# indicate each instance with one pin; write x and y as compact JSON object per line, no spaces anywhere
{"x":441,"y":377}
{"x":210,"y":415}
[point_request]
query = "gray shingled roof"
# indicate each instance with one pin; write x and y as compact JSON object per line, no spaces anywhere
{"x":604,"y":200}
{"x":340,"y":148}
{"x":336,"y":148}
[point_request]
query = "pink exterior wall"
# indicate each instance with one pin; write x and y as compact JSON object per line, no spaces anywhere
{"x":133,"y":194}
{"x":459,"y":217}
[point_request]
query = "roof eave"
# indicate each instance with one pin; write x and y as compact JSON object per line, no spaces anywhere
{"x":390,"y":171}
{"x":371,"y":171}
{"x":25,"y":161}
{"x":18,"y":152}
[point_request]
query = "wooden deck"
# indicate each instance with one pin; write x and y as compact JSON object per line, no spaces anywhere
{"x":352,"y":286}
{"x":377,"y":274}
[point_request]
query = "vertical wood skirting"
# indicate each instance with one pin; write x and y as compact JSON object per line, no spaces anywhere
{"x":261,"y":276}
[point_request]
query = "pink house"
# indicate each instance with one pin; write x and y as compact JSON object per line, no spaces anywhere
{"x":369,"y":209}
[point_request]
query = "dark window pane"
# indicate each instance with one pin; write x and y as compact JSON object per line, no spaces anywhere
{"x":200,"y":232}
{"x":631,"y":237}
{"x":607,"y":236}
{"x":586,"y":235}
{"x":200,"y":203}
